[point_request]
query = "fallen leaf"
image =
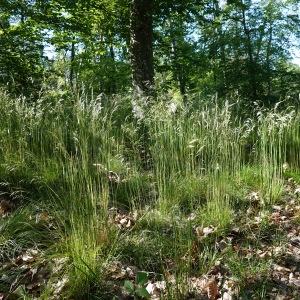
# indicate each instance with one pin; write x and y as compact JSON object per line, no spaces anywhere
{"x":5,"y":207}
{"x":297,"y":191}
{"x":192,"y":217}
{"x":253,"y":197}
{"x":60,"y":285}
{"x":150,"y":288}
{"x":202,"y":233}
{"x":42,"y":217}
{"x":226,"y":296}
{"x":212,"y":289}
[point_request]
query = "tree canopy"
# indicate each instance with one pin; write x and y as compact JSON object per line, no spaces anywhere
{"x":228,"y":47}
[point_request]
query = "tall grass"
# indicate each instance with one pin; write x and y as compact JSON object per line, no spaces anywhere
{"x":80,"y":157}
{"x":275,"y":132}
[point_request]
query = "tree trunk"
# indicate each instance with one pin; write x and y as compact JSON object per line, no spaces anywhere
{"x":269,"y":49}
{"x":251,"y":62}
{"x":221,"y":47}
{"x":72,"y":58}
{"x":113,"y":84}
{"x":178,"y":72}
{"x":141,"y":45}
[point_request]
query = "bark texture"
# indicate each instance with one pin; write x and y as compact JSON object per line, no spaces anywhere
{"x":141,"y":44}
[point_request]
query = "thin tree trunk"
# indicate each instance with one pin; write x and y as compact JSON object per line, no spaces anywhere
{"x":141,"y":50}
{"x":221,"y":46}
{"x":251,"y":62}
{"x":72,"y":65}
{"x":260,"y":40}
{"x":269,"y":60}
{"x":178,"y":70}
{"x":141,"y":44}
{"x":113,"y":86}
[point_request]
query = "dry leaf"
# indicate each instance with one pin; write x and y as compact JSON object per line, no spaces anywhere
{"x":113,"y":177}
{"x":212,"y":289}
{"x":285,"y":166}
{"x":192,"y":217}
{"x":60,"y":285}
{"x":226,"y":296}
{"x":5,"y":207}
{"x":150,"y":288}
{"x":295,"y":281}
{"x":297,"y":191}
{"x":42,"y":217}
{"x":202,"y":233}
{"x":281,"y":269}
{"x":156,"y":289}
{"x":123,"y":221}
{"x":277,"y":207}
{"x":253,"y":197}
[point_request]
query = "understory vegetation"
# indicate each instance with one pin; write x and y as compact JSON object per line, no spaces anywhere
{"x":149,"y":149}
{"x":162,"y":201}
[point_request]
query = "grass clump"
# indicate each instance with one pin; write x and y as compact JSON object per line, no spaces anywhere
{"x":167,"y":175}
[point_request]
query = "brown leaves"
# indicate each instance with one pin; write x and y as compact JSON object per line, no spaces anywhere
{"x":156,"y":289}
{"x":31,"y":272}
{"x":27,"y":257}
{"x":254,"y":198}
{"x":123,"y":220}
{"x":212,"y":289}
{"x":207,"y":286}
{"x":216,"y":284}
{"x":230,"y":290}
{"x":59,"y":286}
{"x":297,"y":191}
{"x":117,"y":271}
{"x":42,"y":217}
{"x":203,"y":232}
{"x":286,"y":275}
{"x":111,"y":175}
{"x":5,"y":207}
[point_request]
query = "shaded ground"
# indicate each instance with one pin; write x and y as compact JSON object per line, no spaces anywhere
{"x":257,"y":258}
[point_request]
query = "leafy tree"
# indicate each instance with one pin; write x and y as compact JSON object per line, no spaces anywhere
{"x":238,"y":46}
{"x":21,"y":48}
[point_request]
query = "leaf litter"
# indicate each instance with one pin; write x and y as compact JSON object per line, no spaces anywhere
{"x":34,"y":272}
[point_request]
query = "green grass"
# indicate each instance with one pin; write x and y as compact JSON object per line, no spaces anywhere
{"x":77,"y":159}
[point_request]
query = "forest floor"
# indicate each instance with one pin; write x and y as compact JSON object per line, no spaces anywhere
{"x":99,"y":203}
{"x":257,"y":257}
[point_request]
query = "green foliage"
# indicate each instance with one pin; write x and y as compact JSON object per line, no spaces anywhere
{"x":138,"y":290}
{"x":81,"y":159}
{"x":209,"y":48}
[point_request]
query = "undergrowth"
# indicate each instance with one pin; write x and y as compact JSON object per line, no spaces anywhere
{"x":76,"y":161}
